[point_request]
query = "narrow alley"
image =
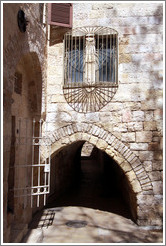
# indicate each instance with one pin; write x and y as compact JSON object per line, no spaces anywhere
{"x":91,"y":211}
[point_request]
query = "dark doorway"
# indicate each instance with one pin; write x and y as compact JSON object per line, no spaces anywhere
{"x":97,"y":182}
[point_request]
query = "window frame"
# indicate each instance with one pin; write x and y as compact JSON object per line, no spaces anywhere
{"x":54,"y":23}
{"x":68,"y":83}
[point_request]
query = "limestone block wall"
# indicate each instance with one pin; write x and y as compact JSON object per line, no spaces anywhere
{"x":23,"y":53}
{"x":134,"y":116}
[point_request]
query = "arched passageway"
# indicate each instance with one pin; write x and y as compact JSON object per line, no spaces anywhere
{"x":26,"y":105}
{"x":92,"y":198}
{"x":95,"y":181}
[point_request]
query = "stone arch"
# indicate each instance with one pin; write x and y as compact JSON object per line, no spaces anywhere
{"x":26,"y":104}
{"x":104,"y":140}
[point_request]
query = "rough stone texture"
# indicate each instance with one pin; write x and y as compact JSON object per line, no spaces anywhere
{"x":25,"y":54}
{"x":144,"y":136}
{"x":129,"y":128}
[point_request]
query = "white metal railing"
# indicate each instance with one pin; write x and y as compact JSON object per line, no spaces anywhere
{"x":32,"y":162}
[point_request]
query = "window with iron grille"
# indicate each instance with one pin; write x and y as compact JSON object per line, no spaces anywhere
{"x":90,"y":66}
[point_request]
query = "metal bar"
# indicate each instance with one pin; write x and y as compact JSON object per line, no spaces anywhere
{"x":33,"y":129}
{"x":29,"y":188}
{"x":19,"y":151}
{"x":39,"y":162}
{"x":34,"y":165}
{"x":75,"y":61}
{"x":110,"y":58}
{"x":98,"y":75}
{"x":71,"y":59}
{"x":95,"y":86}
{"x":102,"y":59}
{"x":68,"y":58}
{"x":106,"y":55}
{"x":45,"y":177}
{"x":33,"y":194}
{"x":113,"y":57}
{"x":84,"y":50}
{"x":49,"y":171}
{"x":116,"y":58}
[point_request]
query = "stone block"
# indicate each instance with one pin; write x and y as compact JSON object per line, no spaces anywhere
{"x":131,"y":175}
{"x":139,"y":146}
{"x":148,"y":166}
{"x":119,"y":159}
{"x":122,"y":127}
{"x":158,"y":155}
{"x":126,"y":166}
{"x":157,"y":165}
{"x":136,"y":186}
{"x":157,"y":187}
{"x":92,"y":117}
{"x":145,"y":181}
{"x":78,"y":136}
{"x":73,"y":138}
{"x":143,"y":137}
{"x":110,"y":151}
{"x":65,"y":140}
{"x":126,"y":116}
{"x":141,"y":174}
{"x":145,"y":199}
{"x":101,"y":144}
{"x":155,"y":175}
{"x":135,"y":126}
{"x":128,"y":137}
{"x":127,"y":154}
{"x":151,"y":104}
{"x":86,"y":136}
{"x":93,"y":140}
{"x":153,"y":146}
{"x":138,"y":116}
{"x":158,"y":114}
{"x":149,"y":115}
{"x":131,"y":157}
{"x":150,"y":126}
{"x":124,"y":58}
{"x":146,"y":155}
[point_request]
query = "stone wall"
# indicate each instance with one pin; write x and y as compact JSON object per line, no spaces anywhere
{"x":134,"y":116}
{"x":129,"y":128}
{"x":24,"y":57}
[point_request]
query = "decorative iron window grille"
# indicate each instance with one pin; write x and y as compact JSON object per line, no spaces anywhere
{"x":90,"y":67}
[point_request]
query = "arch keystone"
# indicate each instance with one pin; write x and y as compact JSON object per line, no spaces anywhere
{"x":93,"y":140}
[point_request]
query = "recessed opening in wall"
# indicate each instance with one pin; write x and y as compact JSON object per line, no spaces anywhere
{"x":92,"y":180}
{"x":87,"y":150}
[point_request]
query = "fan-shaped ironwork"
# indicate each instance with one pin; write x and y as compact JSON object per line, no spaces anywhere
{"x":90,"y":67}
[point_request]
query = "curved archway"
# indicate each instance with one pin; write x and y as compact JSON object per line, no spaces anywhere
{"x":107,"y":142}
{"x":97,"y":182}
{"x":26,"y":103}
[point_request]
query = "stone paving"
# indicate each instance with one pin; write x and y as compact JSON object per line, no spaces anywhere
{"x":85,"y":225}
{"x":82,"y":215}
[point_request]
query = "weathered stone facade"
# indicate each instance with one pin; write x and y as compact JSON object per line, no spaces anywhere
{"x":25,"y":60}
{"x":129,"y":128}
